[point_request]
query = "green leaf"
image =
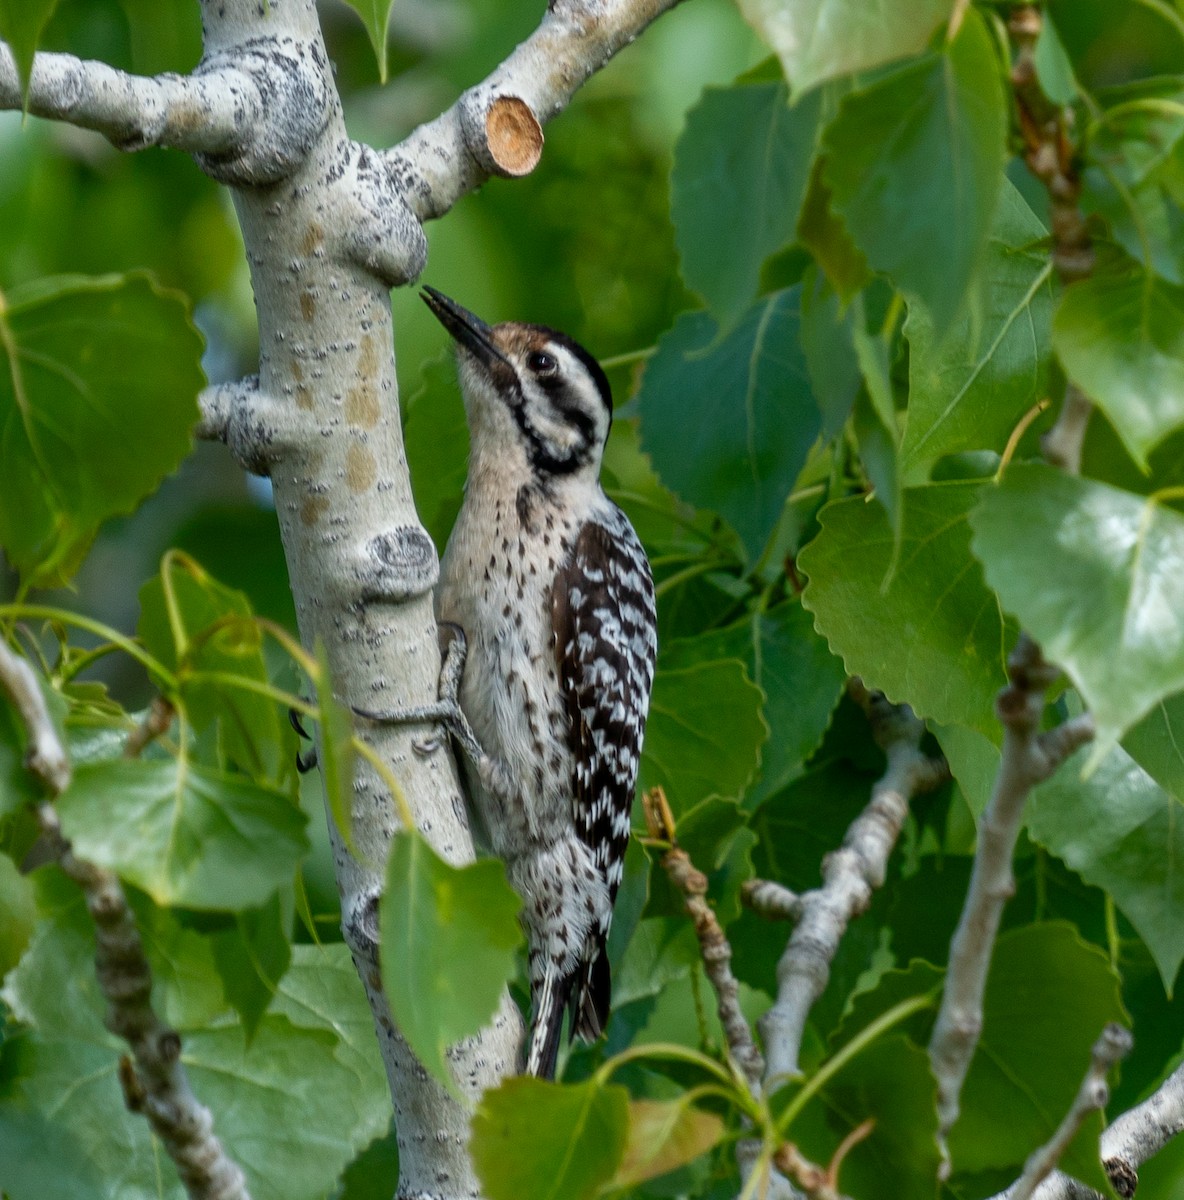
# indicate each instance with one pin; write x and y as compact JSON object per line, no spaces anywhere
{"x":1134,"y":177}
{"x":437,"y":437}
{"x":18,"y":914}
{"x":664,"y":1135}
{"x":1157,"y":745}
{"x":1108,"y":42}
{"x":1093,"y":574}
{"x":744,"y":150}
{"x":968,"y":390}
{"x":1121,"y":340}
{"x":1048,"y":997}
{"x":704,"y":733}
{"x":549,"y":1141}
{"x":292,"y":1109}
{"x":1053,"y":68}
{"x":661,"y":950}
{"x":729,"y":421}
{"x":433,"y":916}
{"x":915,"y":163}
{"x":900,"y":986}
{"x":925,"y":631}
{"x":822,"y":231}
{"x":21,"y":26}
{"x":321,"y":990}
{"x":376,"y":16}
{"x":715,"y":836}
{"x":251,"y":958}
{"x":974,"y":762}
{"x":828,"y":342}
{"x":194,"y":624}
{"x":1120,"y":830}
{"x":186,"y":835}
{"x":98,"y":390}
{"x":335,"y":752}
{"x":821,"y":39}
{"x":799,"y":826}
{"x":802,"y":681}
{"x":889,"y":1082}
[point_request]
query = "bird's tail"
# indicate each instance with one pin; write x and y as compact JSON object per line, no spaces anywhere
{"x":550,"y":999}
{"x":586,"y":992}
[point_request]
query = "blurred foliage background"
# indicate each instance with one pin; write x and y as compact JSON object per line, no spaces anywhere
{"x":585,"y":244}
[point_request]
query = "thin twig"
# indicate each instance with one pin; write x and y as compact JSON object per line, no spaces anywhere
{"x":155,"y":724}
{"x":769,"y":899}
{"x":1029,"y":756}
{"x":1113,"y":1046}
{"x":713,"y":942}
{"x":46,"y":756}
{"x":1127,"y":1143}
{"x":153,"y":1080}
{"x":1050,"y":153}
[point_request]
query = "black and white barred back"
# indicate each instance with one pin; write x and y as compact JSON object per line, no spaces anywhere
{"x":551,"y":586}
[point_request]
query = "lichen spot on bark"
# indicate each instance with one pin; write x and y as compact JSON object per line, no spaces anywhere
{"x":313,"y":240}
{"x":361,"y":401}
{"x":312,"y":508}
{"x":360,"y":468}
{"x":308,"y":305}
{"x":303,"y":395}
{"x":514,"y":135}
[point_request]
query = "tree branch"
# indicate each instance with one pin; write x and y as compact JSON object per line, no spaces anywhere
{"x":1028,"y":757}
{"x":1113,"y":1046}
{"x":1127,"y":1143}
{"x":772,"y":901}
{"x":495,"y":128}
{"x":201,"y":113}
{"x":850,"y":875}
{"x":1051,"y":157}
{"x":154,"y":1081}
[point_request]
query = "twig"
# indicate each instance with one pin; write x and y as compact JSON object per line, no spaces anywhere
{"x":1029,"y":756}
{"x":153,"y":1080}
{"x":495,"y":128}
{"x":1050,"y":154}
{"x":46,"y":757}
{"x":1143,"y":1131}
{"x":769,"y":899}
{"x":1128,"y":1142}
{"x":155,"y":724}
{"x":713,"y":943}
{"x":1113,"y":1046}
{"x":850,"y":875}
{"x":820,"y":1183}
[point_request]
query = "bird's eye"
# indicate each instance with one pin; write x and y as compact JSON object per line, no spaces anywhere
{"x":542,"y":364}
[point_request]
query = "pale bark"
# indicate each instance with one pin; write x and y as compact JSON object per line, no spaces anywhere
{"x":1127,"y":1143}
{"x":330,"y":225}
{"x":849,"y":875}
{"x":1093,"y":1095}
{"x":1029,"y":756}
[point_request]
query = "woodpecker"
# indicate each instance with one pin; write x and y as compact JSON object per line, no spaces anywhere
{"x":549,"y":598}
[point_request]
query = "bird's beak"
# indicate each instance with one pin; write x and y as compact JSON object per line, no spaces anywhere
{"x":469,"y":330}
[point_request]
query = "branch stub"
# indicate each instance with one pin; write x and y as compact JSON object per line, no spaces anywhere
{"x":513,"y":136}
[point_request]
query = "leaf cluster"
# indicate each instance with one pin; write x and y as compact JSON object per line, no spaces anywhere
{"x":834,"y":464}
